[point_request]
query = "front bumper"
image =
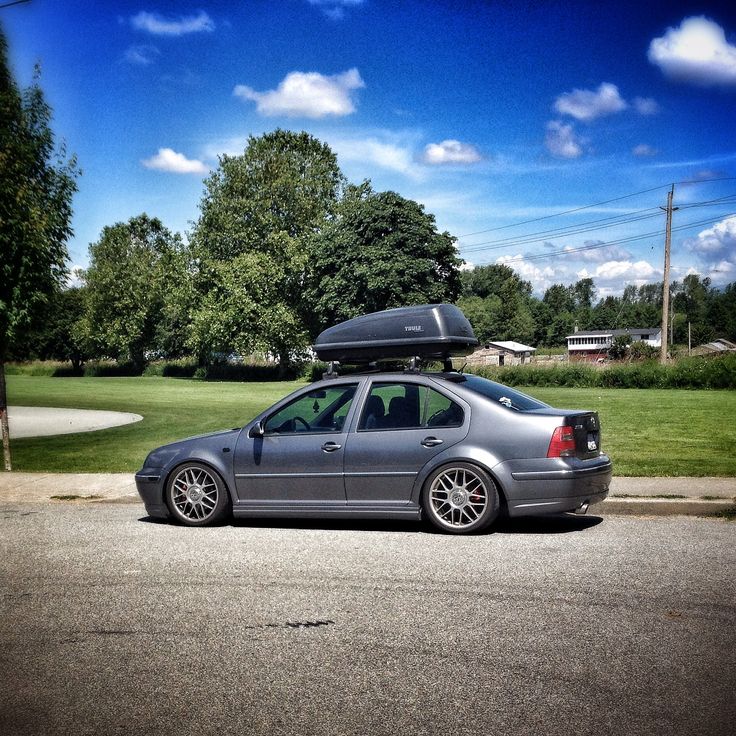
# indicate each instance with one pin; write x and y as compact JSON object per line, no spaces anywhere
{"x":554,"y":485}
{"x":150,"y":482}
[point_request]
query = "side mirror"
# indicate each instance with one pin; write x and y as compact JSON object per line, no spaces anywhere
{"x":257,"y":430}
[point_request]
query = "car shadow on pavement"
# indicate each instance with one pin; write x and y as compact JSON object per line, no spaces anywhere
{"x":557,"y":524}
{"x":553,"y":524}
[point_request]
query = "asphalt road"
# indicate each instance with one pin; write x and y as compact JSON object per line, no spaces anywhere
{"x":114,"y":624}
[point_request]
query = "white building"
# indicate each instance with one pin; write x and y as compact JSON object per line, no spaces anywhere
{"x":502,"y":352}
{"x":594,"y":344}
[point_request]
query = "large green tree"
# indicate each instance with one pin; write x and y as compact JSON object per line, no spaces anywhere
{"x":36,"y":188}
{"x":56,"y":335}
{"x":380,"y":251}
{"x":258,"y":214}
{"x":507,"y":299}
{"x":134,"y":269}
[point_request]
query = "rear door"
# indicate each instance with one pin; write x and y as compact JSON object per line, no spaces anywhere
{"x":402,"y":425}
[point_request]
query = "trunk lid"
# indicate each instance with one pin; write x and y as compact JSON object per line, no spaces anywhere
{"x":586,"y":428}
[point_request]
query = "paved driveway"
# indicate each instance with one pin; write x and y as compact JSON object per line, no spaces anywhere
{"x":38,"y":421}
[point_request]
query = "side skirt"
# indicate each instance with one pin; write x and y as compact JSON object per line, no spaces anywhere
{"x":321,"y":511}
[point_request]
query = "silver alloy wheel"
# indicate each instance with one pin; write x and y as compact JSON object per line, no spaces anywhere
{"x":458,"y":497}
{"x":194,"y":493}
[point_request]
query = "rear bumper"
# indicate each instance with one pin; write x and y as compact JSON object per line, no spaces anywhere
{"x":554,"y":485}
{"x":149,"y":483}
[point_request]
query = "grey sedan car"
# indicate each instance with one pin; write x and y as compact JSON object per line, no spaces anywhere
{"x":450,"y":447}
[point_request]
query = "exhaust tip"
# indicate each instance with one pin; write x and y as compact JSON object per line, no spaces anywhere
{"x":582,"y":509}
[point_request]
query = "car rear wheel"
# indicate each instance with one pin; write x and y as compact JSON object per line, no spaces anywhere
{"x":461,"y":498}
{"x":196,"y":495}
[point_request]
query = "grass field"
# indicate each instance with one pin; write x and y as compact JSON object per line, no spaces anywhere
{"x":647,"y":432}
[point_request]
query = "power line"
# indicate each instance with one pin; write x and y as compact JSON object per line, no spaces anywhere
{"x":585,"y":227}
{"x":557,"y":233}
{"x":597,"y":246}
{"x":565,"y":212}
{"x":596,"y":204}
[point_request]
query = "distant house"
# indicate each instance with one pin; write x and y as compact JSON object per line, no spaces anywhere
{"x":502,"y":352}
{"x":594,"y":344}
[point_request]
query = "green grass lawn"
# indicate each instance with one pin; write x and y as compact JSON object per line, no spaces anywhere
{"x":647,"y":432}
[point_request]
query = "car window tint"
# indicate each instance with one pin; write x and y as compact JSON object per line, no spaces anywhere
{"x":406,"y":406}
{"x":321,"y":410}
{"x":508,"y":397}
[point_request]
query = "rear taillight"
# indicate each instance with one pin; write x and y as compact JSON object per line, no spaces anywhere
{"x":562,"y":443}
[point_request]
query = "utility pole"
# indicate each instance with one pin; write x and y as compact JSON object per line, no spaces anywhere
{"x":666,"y":283}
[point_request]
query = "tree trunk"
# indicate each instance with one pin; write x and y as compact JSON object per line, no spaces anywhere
{"x":4,"y":428}
{"x":283,"y":363}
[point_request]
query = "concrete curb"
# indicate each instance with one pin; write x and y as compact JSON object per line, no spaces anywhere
{"x":664,"y":507}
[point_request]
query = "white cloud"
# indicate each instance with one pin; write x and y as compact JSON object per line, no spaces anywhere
{"x":587,"y":105}
{"x":695,"y":52}
{"x":307,"y":94}
{"x":75,"y":277}
{"x":450,"y":152}
{"x":383,"y":152}
{"x":646,"y":105}
{"x":643,"y":150}
{"x":141,"y":55}
{"x":562,"y":141}
{"x":621,"y":271}
{"x":599,"y":255}
{"x":335,"y":9}
{"x":160,"y":26}
{"x":723,"y":272}
{"x":709,"y":161}
{"x":177,"y":163}
{"x":716,"y":241}
{"x":541,"y":278}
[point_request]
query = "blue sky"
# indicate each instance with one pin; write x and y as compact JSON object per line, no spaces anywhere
{"x":497,"y":116}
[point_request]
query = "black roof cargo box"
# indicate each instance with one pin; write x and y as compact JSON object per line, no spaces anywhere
{"x":430,"y":331}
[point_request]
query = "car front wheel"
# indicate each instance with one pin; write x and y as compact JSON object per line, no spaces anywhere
{"x":461,"y":498}
{"x":196,"y":495}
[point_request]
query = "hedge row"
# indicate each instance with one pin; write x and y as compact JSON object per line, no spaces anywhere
{"x":183,"y":368}
{"x":186,"y":368}
{"x":698,"y":372}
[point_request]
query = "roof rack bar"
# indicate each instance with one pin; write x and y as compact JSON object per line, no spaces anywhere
{"x":415,"y":365}
{"x":331,"y":371}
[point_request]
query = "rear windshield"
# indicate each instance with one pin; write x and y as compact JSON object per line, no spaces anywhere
{"x":508,"y":397}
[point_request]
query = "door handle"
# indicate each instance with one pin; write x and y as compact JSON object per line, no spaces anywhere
{"x":431,"y":441}
{"x":330,"y":447}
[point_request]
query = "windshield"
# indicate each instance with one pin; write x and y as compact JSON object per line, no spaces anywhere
{"x":508,"y":397}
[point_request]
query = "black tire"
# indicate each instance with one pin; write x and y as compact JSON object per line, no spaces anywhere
{"x":460,"y":498}
{"x":196,"y":495}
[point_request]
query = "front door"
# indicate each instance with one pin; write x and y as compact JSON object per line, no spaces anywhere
{"x":299,"y":458}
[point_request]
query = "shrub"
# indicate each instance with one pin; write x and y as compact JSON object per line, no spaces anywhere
{"x":35,"y":368}
{"x":180,"y":368}
{"x":110,"y":369}
{"x":695,"y":372}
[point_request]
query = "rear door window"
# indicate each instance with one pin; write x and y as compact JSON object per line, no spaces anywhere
{"x":408,"y":406}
